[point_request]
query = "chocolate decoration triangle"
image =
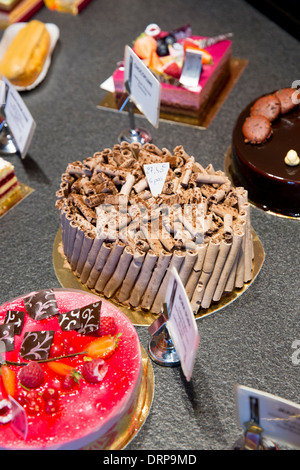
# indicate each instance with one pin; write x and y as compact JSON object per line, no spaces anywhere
{"x":17,"y":318}
{"x":41,"y":305}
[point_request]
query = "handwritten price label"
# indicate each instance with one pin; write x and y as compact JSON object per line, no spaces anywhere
{"x":156,"y":174}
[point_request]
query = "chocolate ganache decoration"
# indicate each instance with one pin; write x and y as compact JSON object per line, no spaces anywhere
{"x":121,"y":240}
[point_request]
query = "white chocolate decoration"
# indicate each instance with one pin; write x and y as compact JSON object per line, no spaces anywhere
{"x":292,"y":158}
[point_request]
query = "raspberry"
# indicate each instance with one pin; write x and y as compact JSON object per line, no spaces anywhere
{"x":31,"y":375}
{"x":107,"y":326}
{"x":94,"y":371}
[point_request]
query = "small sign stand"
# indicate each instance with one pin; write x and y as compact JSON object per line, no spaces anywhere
{"x":133,"y":134}
{"x":144,"y":92}
{"x":7,"y":143}
{"x":161,"y":348}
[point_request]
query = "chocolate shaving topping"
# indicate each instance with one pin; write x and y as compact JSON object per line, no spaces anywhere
{"x":41,"y":305}
{"x":17,"y":318}
{"x":7,"y":337}
{"x":36,"y":345}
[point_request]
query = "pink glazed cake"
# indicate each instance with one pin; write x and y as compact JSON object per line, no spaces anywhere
{"x":85,"y":411}
{"x":178,"y":99}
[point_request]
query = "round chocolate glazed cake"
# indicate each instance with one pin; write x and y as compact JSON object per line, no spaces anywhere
{"x":120,"y":240}
{"x":261,"y":168}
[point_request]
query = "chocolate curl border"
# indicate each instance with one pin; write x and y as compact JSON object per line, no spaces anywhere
{"x":131,"y":275}
{"x":110,"y":265}
{"x":120,"y":272}
{"x":85,"y":248}
{"x":143,"y":279}
{"x":235,"y":247}
{"x":212,"y":283}
{"x":90,"y":261}
{"x":102,"y":256}
{"x":187,"y":265}
{"x":207,"y":269}
{"x":156,"y":278}
{"x":176,"y":262}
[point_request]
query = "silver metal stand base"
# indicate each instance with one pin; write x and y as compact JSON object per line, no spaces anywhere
{"x":161,"y":349}
{"x":7,"y":145}
{"x":141,"y":136}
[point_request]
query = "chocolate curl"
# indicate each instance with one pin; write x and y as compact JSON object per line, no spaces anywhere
{"x":208,"y":266}
{"x":242,"y":195}
{"x":152,"y":148}
{"x":228,"y":228}
{"x":118,"y":276}
{"x":248,"y":244}
{"x":196,"y":271}
{"x":156,"y":278}
{"x":221,"y":210}
{"x":240,"y":269}
{"x":87,"y":226}
{"x":86,"y":211}
{"x":146,"y":158}
{"x":176,"y":262}
{"x":110,"y":266}
{"x":231,"y":258}
{"x":135,"y":147}
{"x":210,"y":179}
{"x":129,"y":182}
{"x":166,"y":152}
{"x":75,"y":169}
{"x":143,"y":279}
{"x":187,"y":172}
{"x":141,"y":185}
{"x":76,"y":248}
{"x":111,"y":170}
{"x":101,"y":259}
{"x":85,"y":248}
{"x":131,"y":275}
{"x":73,"y":227}
{"x":65,"y":217}
{"x":175,"y":162}
{"x":154,"y":243}
{"x":179,"y":150}
{"x":187,"y":266}
{"x":213,"y":280}
{"x":90,"y":261}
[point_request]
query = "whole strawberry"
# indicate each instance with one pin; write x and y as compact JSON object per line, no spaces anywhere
{"x":95,"y":370}
{"x":107,"y":326}
{"x":31,"y":375}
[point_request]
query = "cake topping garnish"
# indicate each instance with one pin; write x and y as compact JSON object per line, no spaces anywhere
{"x":7,"y":336}
{"x":292,"y":158}
{"x":17,"y":318}
{"x":41,"y":305}
{"x":70,"y":320}
{"x":5,"y":411}
{"x":90,"y":318}
{"x":32,"y":375}
{"x":36,"y":345}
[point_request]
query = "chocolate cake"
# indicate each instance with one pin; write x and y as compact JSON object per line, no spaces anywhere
{"x":272,"y":182}
{"x":120,"y":240}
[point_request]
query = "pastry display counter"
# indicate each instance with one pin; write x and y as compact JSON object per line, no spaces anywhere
{"x":251,"y":340}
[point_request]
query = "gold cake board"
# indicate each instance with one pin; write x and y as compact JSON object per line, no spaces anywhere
{"x":204,"y":119}
{"x":229,"y":172}
{"x":68,"y":279}
{"x":145,"y":398}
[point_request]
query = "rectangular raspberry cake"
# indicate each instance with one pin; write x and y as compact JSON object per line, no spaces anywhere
{"x":177,"y":99}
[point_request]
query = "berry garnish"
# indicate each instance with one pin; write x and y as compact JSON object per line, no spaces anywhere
{"x":51,"y":406}
{"x":9,"y":381}
{"x":95,"y":370}
{"x":31,"y":375}
{"x":50,"y":393}
{"x":102,"y":347}
{"x":68,"y":383}
{"x":35,"y":405}
{"x":107,"y":326}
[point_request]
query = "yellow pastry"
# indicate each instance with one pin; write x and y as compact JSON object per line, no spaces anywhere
{"x":25,"y":57}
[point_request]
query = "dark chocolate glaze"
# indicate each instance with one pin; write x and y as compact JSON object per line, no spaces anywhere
{"x":261,"y":169}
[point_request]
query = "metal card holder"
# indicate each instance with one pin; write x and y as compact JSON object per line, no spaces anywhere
{"x":133,"y":134}
{"x":161,"y":347}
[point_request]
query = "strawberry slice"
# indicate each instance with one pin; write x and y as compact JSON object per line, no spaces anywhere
{"x":9,"y":381}
{"x":61,"y":368}
{"x":102,"y":347}
{"x":144,"y":46}
{"x":173,"y":69}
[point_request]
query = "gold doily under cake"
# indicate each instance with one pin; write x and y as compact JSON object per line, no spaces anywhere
{"x":68,"y":279}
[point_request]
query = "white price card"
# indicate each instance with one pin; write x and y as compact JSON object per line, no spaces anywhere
{"x":278,"y":418}
{"x":156,"y":174}
{"x":145,"y":89}
{"x":181,"y":324}
{"x":19,"y":119}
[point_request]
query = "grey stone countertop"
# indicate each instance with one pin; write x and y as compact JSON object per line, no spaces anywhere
{"x":249,"y":342}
